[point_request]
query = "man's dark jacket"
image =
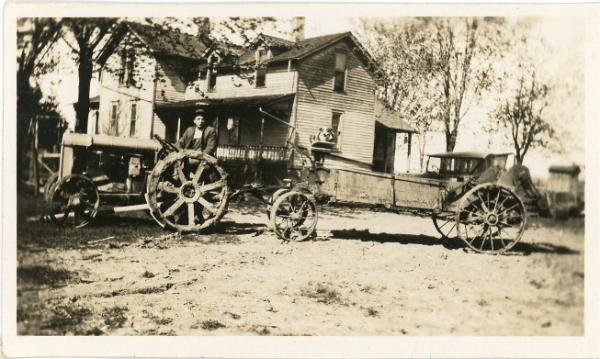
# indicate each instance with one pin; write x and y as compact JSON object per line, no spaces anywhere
{"x":207,"y":144}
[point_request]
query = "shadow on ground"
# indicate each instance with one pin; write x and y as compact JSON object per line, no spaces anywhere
{"x":367,"y":236}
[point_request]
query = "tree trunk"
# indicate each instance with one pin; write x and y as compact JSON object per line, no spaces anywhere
{"x":450,"y":140}
{"x":82,"y":107}
{"x":25,"y":112}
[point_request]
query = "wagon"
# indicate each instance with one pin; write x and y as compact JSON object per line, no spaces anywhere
{"x":468,"y":195}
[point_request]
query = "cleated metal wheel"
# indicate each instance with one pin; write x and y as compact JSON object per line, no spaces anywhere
{"x":73,"y":201}
{"x":490,"y":218}
{"x":445,"y":224}
{"x":187,"y":191}
{"x":294,"y":216}
{"x":272,"y":200}
{"x":49,"y":184}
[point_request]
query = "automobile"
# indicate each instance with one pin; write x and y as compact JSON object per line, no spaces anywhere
{"x":461,"y":166}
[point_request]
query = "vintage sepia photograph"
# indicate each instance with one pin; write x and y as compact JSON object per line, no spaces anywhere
{"x":300,"y":175}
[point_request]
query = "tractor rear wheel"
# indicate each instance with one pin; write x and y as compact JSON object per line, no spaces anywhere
{"x":188,"y":191}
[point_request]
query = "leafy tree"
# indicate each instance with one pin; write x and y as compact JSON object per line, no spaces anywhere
{"x":523,"y":116}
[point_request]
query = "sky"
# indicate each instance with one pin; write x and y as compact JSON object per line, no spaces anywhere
{"x":563,"y":35}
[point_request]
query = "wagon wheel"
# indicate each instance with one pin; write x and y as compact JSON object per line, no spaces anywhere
{"x":294,"y":216}
{"x":188,"y":191}
{"x":490,"y":218}
{"x":73,"y":201}
{"x":445,"y":224}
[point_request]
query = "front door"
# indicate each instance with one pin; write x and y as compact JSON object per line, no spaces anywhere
{"x":390,"y":152}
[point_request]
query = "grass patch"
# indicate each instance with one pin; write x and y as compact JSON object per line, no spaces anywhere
{"x":147,"y":274}
{"x":44,"y":275}
{"x":372,"y":312}
{"x":211,"y":324}
{"x":114,"y":317}
{"x":323,"y":293}
{"x":66,"y":317}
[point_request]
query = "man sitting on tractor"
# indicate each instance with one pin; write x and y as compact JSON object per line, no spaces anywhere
{"x":201,"y":136}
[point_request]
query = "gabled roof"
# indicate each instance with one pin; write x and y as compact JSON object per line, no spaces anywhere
{"x":159,"y":40}
{"x":169,"y":42}
{"x":301,"y":49}
{"x":273,"y":41}
{"x":309,"y":46}
{"x":391,"y":119}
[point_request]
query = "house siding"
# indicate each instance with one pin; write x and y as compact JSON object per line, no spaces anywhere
{"x":317,"y":100}
{"x":170,"y":87}
{"x":111,"y":92}
{"x":230,"y":85}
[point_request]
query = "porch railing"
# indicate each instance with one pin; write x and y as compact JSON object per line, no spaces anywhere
{"x":251,"y":153}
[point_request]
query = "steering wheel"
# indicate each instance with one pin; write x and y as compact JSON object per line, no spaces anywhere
{"x":166,"y":145}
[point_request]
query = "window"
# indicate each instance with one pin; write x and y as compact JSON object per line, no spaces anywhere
{"x":261,"y":76}
{"x":127,"y":68}
{"x":339,"y":79}
{"x":133,"y":119}
{"x":233,"y":131}
{"x":336,"y":124}
{"x":261,"y":70}
{"x":97,"y":122}
{"x":114,"y":119}
{"x":211,"y":79}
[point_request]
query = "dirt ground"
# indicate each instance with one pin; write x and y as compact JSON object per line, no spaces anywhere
{"x":367,"y":273}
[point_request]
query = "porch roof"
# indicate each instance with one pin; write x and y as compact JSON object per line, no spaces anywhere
{"x":246,"y":101}
{"x":391,"y":119}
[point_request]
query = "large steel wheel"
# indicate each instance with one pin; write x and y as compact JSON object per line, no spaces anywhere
{"x":50,"y":182}
{"x":294,"y":216}
{"x":445,"y":224}
{"x":73,"y":201}
{"x":490,"y":218}
{"x":187,"y":191}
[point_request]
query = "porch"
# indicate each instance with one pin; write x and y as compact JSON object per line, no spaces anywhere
{"x":251,"y":153}
{"x":244,"y":133}
{"x":393,"y":136}
{"x":251,"y":146}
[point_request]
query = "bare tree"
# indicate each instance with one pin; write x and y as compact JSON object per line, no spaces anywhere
{"x":436,"y":67}
{"x":523,"y":116}
{"x":35,"y":38}
{"x":462,"y":53}
{"x":85,"y":36}
{"x":402,"y":71}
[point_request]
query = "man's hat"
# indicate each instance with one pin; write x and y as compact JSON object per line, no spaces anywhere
{"x":200,"y":111}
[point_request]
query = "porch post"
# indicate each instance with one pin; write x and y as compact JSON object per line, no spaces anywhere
{"x":262,"y":131}
{"x":178,"y":128}
{"x":408,"y":152}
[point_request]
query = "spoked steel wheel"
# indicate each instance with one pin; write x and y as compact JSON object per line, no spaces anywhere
{"x":445,"y":224}
{"x":490,"y":218}
{"x":73,"y":201}
{"x":52,"y":179}
{"x":294,"y":216}
{"x":188,"y":191}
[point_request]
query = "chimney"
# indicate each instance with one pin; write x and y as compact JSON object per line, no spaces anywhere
{"x":298,"y":28}
{"x":203,"y":24}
